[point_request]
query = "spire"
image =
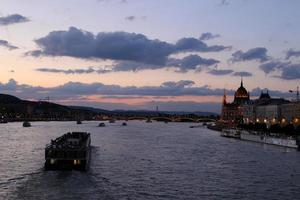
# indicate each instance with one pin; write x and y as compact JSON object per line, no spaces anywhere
{"x":224,"y":97}
{"x":242,"y":81}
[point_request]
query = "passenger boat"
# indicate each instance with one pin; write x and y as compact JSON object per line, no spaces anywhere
{"x":231,"y":133}
{"x":101,"y":124}
{"x":70,"y":151}
{"x":26,"y":124}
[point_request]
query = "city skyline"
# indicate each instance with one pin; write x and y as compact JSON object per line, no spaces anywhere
{"x":140,"y":54}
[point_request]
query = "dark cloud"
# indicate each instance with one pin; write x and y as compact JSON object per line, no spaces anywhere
{"x":220,"y":72}
{"x":12,"y":19}
{"x":76,"y":89}
{"x":191,"y":62}
{"x":193,"y":44}
{"x":243,"y":74}
{"x":130,"y":18}
{"x":88,"y":70}
{"x":290,"y":72}
{"x":258,"y":53}
{"x":124,"y":66}
{"x":292,"y":53}
{"x":208,"y":36}
{"x":116,"y":46}
{"x":69,"y":71}
{"x":286,"y":70}
{"x":6,"y":44}
{"x":273,"y":65}
{"x":78,"y":93}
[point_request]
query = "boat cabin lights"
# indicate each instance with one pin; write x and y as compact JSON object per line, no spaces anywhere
{"x":52,"y":161}
{"x":76,"y":162}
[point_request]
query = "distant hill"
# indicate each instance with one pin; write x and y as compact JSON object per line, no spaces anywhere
{"x":13,"y":107}
{"x":91,"y":109}
{"x":6,"y":99}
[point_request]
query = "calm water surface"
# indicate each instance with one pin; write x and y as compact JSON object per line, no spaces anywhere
{"x":147,"y":161}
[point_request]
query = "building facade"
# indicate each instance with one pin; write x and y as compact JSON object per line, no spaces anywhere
{"x":232,"y":113}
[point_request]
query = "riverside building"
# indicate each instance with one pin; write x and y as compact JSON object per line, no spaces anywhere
{"x":265,"y":109}
{"x":232,"y":113}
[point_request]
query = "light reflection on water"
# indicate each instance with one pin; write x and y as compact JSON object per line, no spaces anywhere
{"x":146,"y":161}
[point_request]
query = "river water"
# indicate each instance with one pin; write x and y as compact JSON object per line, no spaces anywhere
{"x":147,"y":161}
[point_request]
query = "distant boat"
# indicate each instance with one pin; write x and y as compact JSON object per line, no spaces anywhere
{"x":69,"y":151}
{"x":101,"y":124}
{"x":166,"y":122}
{"x":196,"y":126}
{"x":78,"y":122}
{"x":26,"y":124}
{"x":148,"y":121}
{"x":124,"y":124}
{"x":112,"y":121}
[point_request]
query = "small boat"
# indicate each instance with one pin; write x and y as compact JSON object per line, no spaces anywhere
{"x":124,"y":124}
{"x":70,"y":151}
{"x":112,"y":121}
{"x":101,"y":124}
{"x":166,"y":122}
{"x":148,"y":121}
{"x":196,"y":126}
{"x":78,"y":122}
{"x":231,"y":133}
{"x":26,"y":124}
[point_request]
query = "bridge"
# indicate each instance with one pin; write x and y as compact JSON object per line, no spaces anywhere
{"x":165,"y":119}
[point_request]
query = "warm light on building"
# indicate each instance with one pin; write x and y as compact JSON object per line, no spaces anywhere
{"x":283,"y":120}
{"x":257,"y":120}
{"x":76,"y":162}
{"x":265,"y":120}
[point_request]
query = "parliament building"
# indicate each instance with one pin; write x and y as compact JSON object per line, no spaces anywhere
{"x":232,"y":113}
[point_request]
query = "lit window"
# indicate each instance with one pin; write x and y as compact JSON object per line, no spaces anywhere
{"x":76,"y":162}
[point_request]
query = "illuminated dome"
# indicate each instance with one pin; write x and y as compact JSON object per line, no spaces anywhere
{"x":241,"y":95}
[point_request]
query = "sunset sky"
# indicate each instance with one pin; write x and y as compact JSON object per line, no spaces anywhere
{"x":138,"y":54}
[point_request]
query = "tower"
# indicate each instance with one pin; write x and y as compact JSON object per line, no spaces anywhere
{"x":224,"y":102}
